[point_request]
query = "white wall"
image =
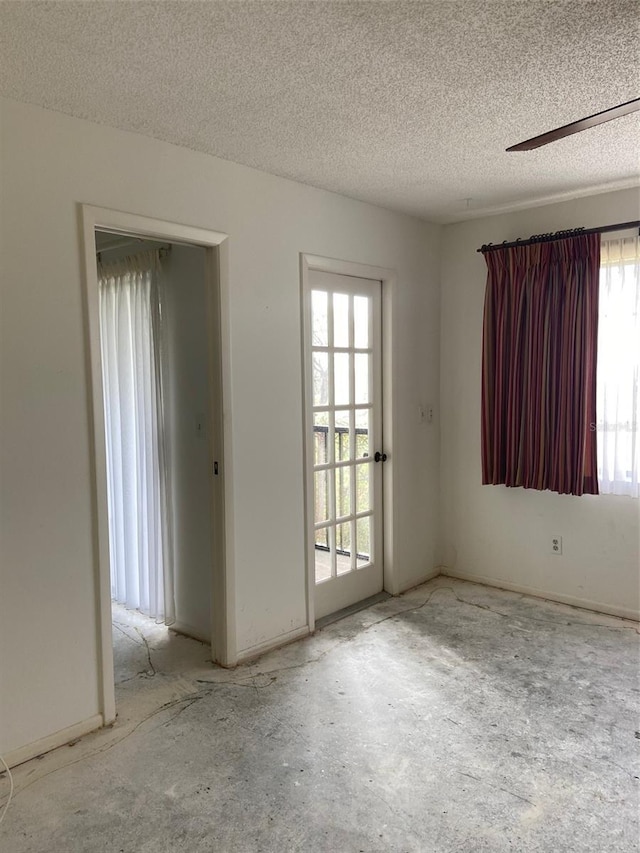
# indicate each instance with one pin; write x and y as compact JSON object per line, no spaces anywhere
{"x":499,"y":534}
{"x":186,"y":366}
{"x":50,"y":163}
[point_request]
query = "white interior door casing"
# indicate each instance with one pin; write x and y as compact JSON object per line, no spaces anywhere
{"x":343,"y":395}
{"x":223,"y":629}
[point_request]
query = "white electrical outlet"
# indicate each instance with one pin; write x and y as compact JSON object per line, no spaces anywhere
{"x":556,"y":545}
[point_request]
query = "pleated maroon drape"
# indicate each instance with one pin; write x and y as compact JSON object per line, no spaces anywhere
{"x":539,"y":366}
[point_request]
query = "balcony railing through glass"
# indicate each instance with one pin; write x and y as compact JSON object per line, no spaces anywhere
{"x":343,"y":497}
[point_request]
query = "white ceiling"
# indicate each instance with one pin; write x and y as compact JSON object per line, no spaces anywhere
{"x":409,"y":105}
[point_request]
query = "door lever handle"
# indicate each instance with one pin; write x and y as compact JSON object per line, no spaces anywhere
{"x":380,"y":457}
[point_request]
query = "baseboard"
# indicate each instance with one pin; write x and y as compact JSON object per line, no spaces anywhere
{"x":46,"y":744}
{"x":189,"y":631}
{"x":429,"y":576}
{"x":560,"y":598}
{"x":269,"y":646}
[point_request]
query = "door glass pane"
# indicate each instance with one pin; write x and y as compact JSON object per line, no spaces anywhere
{"x":320,"y":438}
{"x":320,"y":379}
{"x":321,"y":496}
{"x":342,"y":436}
{"x":341,"y":378}
{"x":320,"y":335}
{"x":343,"y":548}
{"x":340,"y":320}
{"x":363,"y":434}
{"x":322,"y":555}
{"x":361,"y":321}
{"x":363,"y":486}
{"x":322,"y":538}
{"x":343,"y":491}
{"x":346,"y":418}
{"x":363,"y":526}
{"x":362,"y":361}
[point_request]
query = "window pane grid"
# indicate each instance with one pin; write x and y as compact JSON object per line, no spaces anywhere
{"x":342,"y":356}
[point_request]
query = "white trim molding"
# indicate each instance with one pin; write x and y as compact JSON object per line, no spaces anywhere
{"x":246,"y":655}
{"x":558,"y":597}
{"x":428,"y":576}
{"x":53,"y":741}
{"x":388,"y":279}
{"x":223,"y":635}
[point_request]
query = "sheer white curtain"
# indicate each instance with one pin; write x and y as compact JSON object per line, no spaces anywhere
{"x":139,"y":532}
{"x":618,"y":401}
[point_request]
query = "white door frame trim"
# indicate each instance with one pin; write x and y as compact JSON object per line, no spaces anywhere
{"x":388,"y":279}
{"x":223,"y":639}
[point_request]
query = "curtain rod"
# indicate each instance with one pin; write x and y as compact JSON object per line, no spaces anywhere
{"x":118,"y":244}
{"x":559,"y":235}
{"x":163,"y":248}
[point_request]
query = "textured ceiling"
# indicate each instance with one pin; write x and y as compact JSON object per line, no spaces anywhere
{"x":409,"y":105}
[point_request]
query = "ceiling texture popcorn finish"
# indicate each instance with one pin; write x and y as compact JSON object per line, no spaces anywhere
{"x":409,"y":105}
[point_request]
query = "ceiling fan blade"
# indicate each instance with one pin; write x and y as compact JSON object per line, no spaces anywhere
{"x":577,"y":126}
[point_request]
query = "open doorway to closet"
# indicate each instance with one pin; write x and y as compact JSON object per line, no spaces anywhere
{"x":158,"y":342}
{"x":154,"y":352}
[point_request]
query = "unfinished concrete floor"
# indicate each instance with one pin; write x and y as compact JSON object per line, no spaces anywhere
{"x":453,"y":718}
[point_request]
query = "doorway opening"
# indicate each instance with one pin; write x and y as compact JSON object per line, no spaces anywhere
{"x":347,"y":502}
{"x":154,"y":353}
{"x":158,"y":338}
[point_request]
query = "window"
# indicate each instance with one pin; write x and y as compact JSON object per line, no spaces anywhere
{"x":618,"y":376}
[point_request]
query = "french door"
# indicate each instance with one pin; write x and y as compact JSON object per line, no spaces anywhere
{"x":344,"y":438}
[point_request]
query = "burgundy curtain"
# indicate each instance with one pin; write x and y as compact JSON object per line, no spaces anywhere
{"x":539,"y":366}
